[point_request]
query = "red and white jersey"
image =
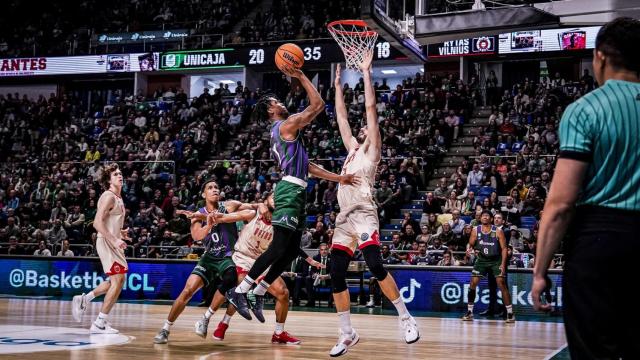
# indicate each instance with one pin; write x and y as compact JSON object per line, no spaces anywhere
{"x":115,"y":220}
{"x":359,"y":165}
{"x":255,"y":237}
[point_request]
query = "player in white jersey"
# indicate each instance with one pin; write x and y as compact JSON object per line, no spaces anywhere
{"x":254,"y":239}
{"x":110,"y":246}
{"x":357,"y":224}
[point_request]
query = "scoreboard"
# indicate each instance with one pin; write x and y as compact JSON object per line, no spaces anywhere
{"x":314,"y":53}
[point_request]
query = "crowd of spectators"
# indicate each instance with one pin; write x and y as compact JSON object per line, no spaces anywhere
{"x":52,"y":151}
{"x":66,"y":28}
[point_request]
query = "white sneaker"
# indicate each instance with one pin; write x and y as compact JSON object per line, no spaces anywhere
{"x":78,"y":307}
{"x":202,"y":326}
{"x":106,"y":329}
{"x":371,"y":304}
{"x":411,"y":333}
{"x":345,"y":341}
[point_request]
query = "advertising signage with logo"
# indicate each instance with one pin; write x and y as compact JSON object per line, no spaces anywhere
{"x":484,"y":45}
{"x":92,"y":64}
{"x":141,"y":37}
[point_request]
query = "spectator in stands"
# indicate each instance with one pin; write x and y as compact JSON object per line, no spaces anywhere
{"x":441,"y":192}
{"x":469,"y":204}
{"x":384,"y":199}
{"x":510,"y":212}
{"x":452,"y":203}
{"x":436,"y":250}
{"x":447,"y":259}
{"x":424,"y":235}
{"x":431,"y":205}
{"x":446,"y":235}
{"x":408,"y":221}
{"x":42,"y":249}
{"x":422,"y":258}
{"x":13,"y":248}
{"x":432,"y":224}
{"x":456,"y":223}
{"x":65,"y":250}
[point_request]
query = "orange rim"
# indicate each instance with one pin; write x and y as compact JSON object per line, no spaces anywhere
{"x":332,"y":26}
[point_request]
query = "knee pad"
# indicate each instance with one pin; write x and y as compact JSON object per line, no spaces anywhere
{"x":339,"y":265}
{"x":373,"y":258}
{"x":229,"y":280}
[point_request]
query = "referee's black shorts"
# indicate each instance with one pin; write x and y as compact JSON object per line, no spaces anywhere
{"x":601,"y":272}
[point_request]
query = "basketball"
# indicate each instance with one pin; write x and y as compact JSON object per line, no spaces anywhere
{"x":289,"y":54}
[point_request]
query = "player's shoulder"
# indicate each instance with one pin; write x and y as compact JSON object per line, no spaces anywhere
{"x":108,"y":195}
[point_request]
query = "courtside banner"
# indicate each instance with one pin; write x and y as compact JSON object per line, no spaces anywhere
{"x":91,"y":64}
{"x":444,"y":289}
{"x":65,"y":277}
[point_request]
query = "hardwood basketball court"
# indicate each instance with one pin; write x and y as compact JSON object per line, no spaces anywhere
{"x":44,"y":329}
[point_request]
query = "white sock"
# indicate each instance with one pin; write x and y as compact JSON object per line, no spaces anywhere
{"x":345,"y":322}
{"x":245,"y":285}
{"x":208,"y":313}
{"x":261,"y":289}
{"x":101,"y":319}
{"x":226,"y":319}
{"x":470,"y":308}
{"x":167,"y":325}
{"x":279,"y":328}
{"x":509,"y":309}
{"x":90,"y":296}
{"x":371,"y":297}
{"x":400,"y":307}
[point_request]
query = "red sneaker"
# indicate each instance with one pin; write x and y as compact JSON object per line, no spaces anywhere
{"x":220,"y":330}
{"x":284,"y":338}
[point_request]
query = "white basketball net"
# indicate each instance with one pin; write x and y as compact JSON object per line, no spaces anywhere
{"x":355,"y":40}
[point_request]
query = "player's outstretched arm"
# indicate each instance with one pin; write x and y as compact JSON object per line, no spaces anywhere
{"x":373,"y":138}
{"x":295,"y":122}
{"x":341,"y":113}
{"x":347,"y":179}
{"x":241,"y":215}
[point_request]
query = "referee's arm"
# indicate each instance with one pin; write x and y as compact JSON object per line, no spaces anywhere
{"x":576,"y":149}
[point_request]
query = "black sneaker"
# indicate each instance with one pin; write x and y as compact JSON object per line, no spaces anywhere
{"x":257,"y":306}
{"x":239,"y":301}
{"x":468,"y":316}
{"x":511,"y":318}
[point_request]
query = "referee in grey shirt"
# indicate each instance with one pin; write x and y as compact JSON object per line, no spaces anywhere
{"x":595,"y":198}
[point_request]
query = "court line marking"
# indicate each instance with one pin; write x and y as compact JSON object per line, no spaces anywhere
{"x":556,"y":352}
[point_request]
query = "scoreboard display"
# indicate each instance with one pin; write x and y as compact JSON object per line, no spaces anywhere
{"x":314,"y":53}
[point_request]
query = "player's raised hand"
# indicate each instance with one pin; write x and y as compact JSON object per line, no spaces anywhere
{"x":349,"y":179}
{"x":336,"y":81}
{"x":292,"y":71}
{"x":367,"y":61}
{"x":212,"y":219}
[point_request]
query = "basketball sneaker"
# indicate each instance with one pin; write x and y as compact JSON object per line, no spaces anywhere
{"x":371,"y":304}
{"x":79,"y":306}
{"x":468,"y":316}
{"x":511,"y":318}
{"x":411,"y":333}
{"x":345,"y":341}
{"x":239,"y":301}
{"x":218,"y":334}
{"x":256,"y":303}
{"x":202,"y":327}
{"x":104,"y":329}
{"x":162,"y":337}
{"x":284,"y":338}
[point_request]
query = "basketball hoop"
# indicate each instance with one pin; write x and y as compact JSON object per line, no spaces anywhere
{"x":355,"y":38}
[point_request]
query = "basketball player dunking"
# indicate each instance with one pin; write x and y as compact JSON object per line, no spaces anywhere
{"x":287,"y":149}
{"x":254,"y":239}
{"x":110,"y":246}
{"x":357,"y":224}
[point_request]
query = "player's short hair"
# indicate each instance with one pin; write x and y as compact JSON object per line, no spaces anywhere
{"x":261,"y":110}
{"x":486,"y":212}
{"x":204,"y":184}
{"x":619,"y":39}
{"x":105,"y":178}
